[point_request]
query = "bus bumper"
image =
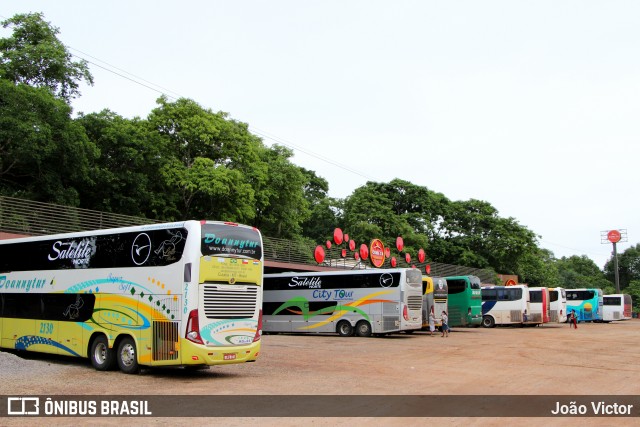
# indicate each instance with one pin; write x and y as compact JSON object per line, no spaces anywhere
{"x":196,"y":354}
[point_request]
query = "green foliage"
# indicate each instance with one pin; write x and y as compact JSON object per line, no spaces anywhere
{"x":33,"y":55}
{"x":44,"y":154}
{"x":580,"y":272}
{"x":628,"y":267}
{"x":283,"y":207}
{"x":633,"y":289}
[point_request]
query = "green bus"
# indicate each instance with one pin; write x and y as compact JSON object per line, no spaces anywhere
{"x":465,"y":301}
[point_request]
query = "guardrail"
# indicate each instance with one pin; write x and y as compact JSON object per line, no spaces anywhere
{"x":25,"y":217}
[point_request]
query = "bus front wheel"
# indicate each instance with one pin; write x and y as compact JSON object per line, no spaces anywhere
{"x":103,"y":358}
{"x":488,"y":322}
{"x":127,"y":356}
{"x":363,"y":329}
{"x":345,"y":329}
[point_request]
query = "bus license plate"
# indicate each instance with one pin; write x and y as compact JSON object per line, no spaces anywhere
{"x":229,"y":356}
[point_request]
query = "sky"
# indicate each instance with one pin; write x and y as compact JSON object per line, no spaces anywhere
{"x":531,"y":106}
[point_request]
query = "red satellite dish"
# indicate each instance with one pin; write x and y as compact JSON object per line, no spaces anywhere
{"x":356,"y":256}
{"x":328,"y":244}
{"x":346,"y":237}
{"x":319,"y":254}
{"x":399,"y":243}
{"x":393,"y":262}
{"x":421,"y":255}
{"x":427,"y":268}
{"x":364,"y":251}
{"x":387,"y":252}
{"x":352,"y":245}
{"x":337,"y":236}
{"x":407,"y":258}
{"x":344,"y":253}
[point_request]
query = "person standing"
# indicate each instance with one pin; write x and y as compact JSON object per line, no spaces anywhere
{"x":445,"y":324}
{"x":573,"y":319}
{"x":432,"y":322}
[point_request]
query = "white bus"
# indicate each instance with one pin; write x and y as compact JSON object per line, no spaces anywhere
{"x":185,"y":293}
{"x":539,"y":305}
{"x":505,"y":305}
{"x":616,"y":307}
{"x":558,"y":305}
{"x":370,"y":301}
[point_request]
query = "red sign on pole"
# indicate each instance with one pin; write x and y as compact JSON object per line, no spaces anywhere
{"x":614,"y":236}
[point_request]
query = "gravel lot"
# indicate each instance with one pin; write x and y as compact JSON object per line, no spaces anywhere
{"x":595,"y":359}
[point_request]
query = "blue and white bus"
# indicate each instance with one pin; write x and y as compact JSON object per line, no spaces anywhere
{"x":506,"y":305}
{"x":587,"y":304}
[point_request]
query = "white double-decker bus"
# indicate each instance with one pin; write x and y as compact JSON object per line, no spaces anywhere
{"x":505,"y":305}
{"x":558,"y":305}
{"x":616,"y":307}
{"x":186,"y":293}
{"x":364,"y":302}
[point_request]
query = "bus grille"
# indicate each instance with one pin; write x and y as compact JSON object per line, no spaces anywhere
{"x":229,"y":302}
{"x":165,"y":338}
{"x":389,"y":323}
{"x":554,"y":316}
{"x":414,"y":302}
{"x":516,"y":315}
{"x":616,"y":315}
{"x":536,"y":317}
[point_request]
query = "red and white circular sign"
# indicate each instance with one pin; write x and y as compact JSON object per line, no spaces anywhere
{"x":614,"y":236}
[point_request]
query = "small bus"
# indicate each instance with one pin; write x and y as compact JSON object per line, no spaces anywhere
{"x":616,"y":307}
{"x":558,"y":305}
{"x":465,"y":301}
{"x":587,"y":304}
{"x":506,"y":305}
{"x":184,"y":293}
{"x":539,"y":305}
{"x":347,"y":302}
{"x":434,"y":300}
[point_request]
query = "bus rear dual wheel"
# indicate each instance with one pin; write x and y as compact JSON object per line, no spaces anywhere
{"x":362,"y":329}
{"x":104,"y":358}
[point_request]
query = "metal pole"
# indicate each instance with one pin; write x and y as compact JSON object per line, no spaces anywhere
{"x":615,"y":266}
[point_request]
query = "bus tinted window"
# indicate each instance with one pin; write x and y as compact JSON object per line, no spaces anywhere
{"x":220,"y":239}
{"x":612,"y":301}
{"x":579,"y":295}
{"x":456,"y":286}
{"x":535,"y":296}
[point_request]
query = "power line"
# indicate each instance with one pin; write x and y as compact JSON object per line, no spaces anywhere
{"x":162,"y":90}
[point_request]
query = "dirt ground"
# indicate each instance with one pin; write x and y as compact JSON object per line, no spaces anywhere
{"x":595,"y":359}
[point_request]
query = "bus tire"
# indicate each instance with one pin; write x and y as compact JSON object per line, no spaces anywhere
{"x":488,"y":322}
{"x":344,"y":328}
{"x":363,"y":329}
{"x":127,"y":356}
{"x":102,"y":357}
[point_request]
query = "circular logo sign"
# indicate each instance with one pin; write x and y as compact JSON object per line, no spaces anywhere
{"x":377,"y":253}
{"x":386,"y":280}
{"x":141,"y":249}
{"x":614,"y":236}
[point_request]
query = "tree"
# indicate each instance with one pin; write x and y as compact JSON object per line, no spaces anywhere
{"x":580,"y":272}
{"x":212,"y":164}
{"x":628,"y":266}
{"x":44,"y":154}
{"x":282,"y":208}
{"x":34,"y":55}
{"x":126,"y":174}
{"x":324,"y":210}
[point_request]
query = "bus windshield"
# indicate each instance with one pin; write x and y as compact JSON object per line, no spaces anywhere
{"x":220,"y":239}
